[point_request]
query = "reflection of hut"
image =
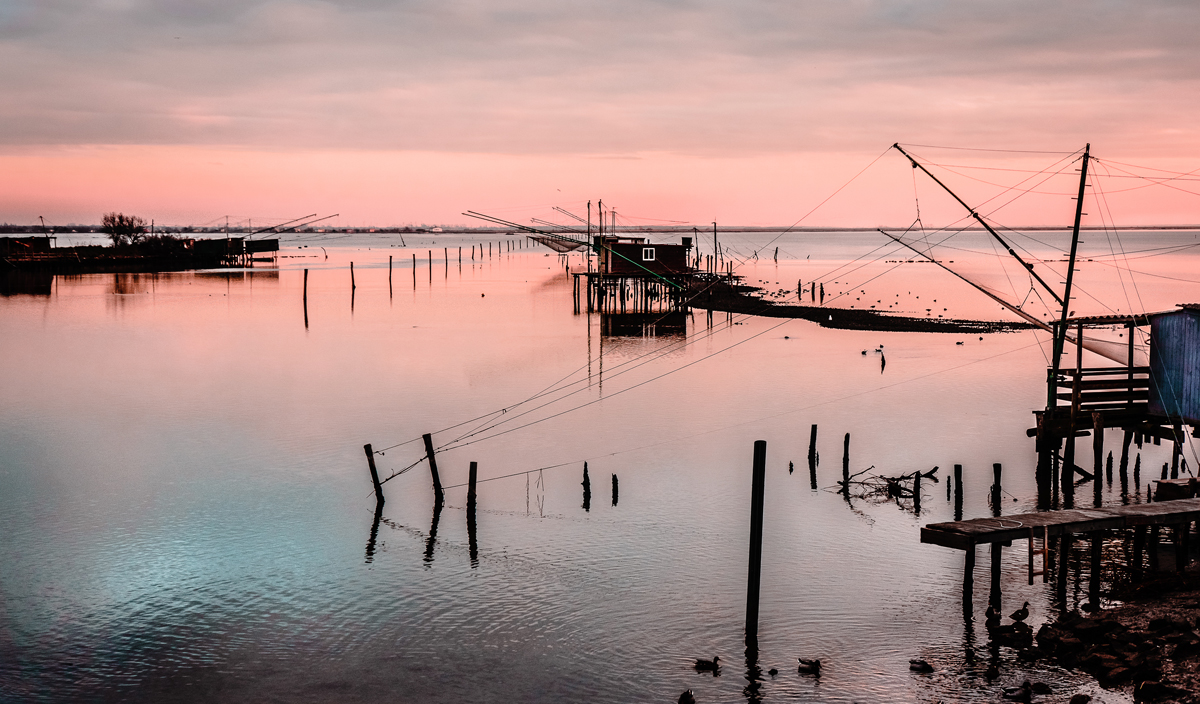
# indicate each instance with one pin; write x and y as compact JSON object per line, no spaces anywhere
{"x":1149,"y":395}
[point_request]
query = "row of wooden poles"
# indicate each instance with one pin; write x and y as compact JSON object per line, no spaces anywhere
{"x":509,"y":245}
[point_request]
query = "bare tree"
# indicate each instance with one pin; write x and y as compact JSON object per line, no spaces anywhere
{"x":123,"y":229}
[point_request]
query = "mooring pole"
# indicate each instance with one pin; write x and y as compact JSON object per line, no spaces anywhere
{"x":471,"y":487}
{"x":958,"y":492}
{"x":352,"y":286}
{"x":812,"y":456}
{"x":374,"y":474}
{"x":846,"y":465}
{"x":437,"y":482}
{"x":917,"y":493}
{"x":756,"y":529}
{"x":968,"y":588}
{"x":996,"y":472}
{"x":306,"y":299}
{"x":1098,"y":459}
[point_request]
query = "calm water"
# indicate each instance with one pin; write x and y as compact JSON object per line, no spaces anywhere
{"x":186,"y":506}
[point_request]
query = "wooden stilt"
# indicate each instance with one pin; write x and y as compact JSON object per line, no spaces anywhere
{"x":433,"y":470}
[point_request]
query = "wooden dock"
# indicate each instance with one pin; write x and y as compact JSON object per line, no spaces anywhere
{"x":964,"y":535}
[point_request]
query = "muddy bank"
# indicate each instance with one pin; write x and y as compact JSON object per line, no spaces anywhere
{"x":740,"y":298}
{"x":1148,"y":646}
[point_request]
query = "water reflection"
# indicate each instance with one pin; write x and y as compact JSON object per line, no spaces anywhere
{"x":374,"y":533}
{"x":431,"y":541}
{"x":29,"y":283}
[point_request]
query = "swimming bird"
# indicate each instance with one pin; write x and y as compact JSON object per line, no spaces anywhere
{"x":1021,"y":614}
{"x":1080,"y":699}
{"x":918,"y":665}
{"x":1041,"y":688}
{"x":772,"y":672}
{"x":707,"y":665}
{"x":1024,"y":693}
{"x":809,"y":667}
{"x":687,"y":698}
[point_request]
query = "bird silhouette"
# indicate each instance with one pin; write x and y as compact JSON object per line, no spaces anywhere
{"x":687,"y":697}
{"x":1021,"y":614}
{"x":809,"y":667}
{"x":707,"y":665}
{"x":1024,"y":693}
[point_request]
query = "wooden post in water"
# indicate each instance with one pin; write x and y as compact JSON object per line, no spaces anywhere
{"x":471,"y":475}
{"x":846,"y":465}
{"x":968,"y":580}
{"x":757,"y":493}
{"x":414,"y":270}
{"x":1067,"y":478}
{"x":917,"y":493}
{"x":812,"y":456}
{"x":431,"y":266}
{"x":615,"y":492}
{"x":994,"y":590}
{"x":374,"y":474}
{"x":433,"y":471}
{"x":472,"y":538}
{"x":1098,"y":459}
{"x":306,"y":299}
{"x":996,"y":472}
{"x":958,"y":492}
{"x":352,"y":286}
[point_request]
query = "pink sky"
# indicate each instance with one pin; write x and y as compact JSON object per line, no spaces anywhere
{"x":747,"y":114}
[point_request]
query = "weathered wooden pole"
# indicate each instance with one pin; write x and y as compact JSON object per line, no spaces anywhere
{"x":917,"y":493}
{"x":433,"y":471}
{"x":1098,"y":459}
{"x":352,"y":286}
{"x":958,"y":492}
{"x":374,"y":474}
{"x":994,"y":589}
{"x":968,"y":588}
{"x":587,"y":489}
{"x":471,"y":476}
{"x":614,"y":488}
{"x":812,"y":456}
{"x":306,"y":299}
{"x":414,"y":269}
{"x":757,"y":493}
{"x":431,"y":266}
{"x":996,"y":501}
{"x":846,"y":465}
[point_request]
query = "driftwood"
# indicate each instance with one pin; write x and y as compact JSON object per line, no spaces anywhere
{"x":880,"y":488}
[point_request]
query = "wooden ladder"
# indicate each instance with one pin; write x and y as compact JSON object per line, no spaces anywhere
{"x":1043,"y":551}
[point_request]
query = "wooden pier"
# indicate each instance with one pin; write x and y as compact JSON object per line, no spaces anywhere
{"x":965,"y":535}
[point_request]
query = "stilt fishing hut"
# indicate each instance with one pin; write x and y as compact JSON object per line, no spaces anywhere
{"x":1151,"y":393}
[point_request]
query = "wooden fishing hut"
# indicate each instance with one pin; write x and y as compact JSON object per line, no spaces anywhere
{"x":1149,"y":396}
{"x":634,"y":275}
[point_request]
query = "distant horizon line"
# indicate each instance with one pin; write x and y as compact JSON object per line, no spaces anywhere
{"x":9,"y":229}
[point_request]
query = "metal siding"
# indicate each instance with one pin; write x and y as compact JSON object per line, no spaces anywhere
{"x":1175,"y":365}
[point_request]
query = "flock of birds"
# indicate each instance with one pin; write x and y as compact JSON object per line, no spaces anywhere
{"x":1021,"y":693}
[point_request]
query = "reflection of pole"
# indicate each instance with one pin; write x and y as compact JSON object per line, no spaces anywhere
{"x":370,"y":556}
{"x":756,"y":531}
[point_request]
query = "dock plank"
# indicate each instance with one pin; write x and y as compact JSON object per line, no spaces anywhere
{"x":963,"y":535}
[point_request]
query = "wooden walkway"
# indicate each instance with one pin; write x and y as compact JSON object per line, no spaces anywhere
{"x":965,"y":535}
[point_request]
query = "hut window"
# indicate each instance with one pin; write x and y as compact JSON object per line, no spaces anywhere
{"x":647,"y":254}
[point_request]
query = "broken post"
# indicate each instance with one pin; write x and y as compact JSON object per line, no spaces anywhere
{"x":437,"y":482}
{"x":374,"y":474}
{"x":756,"y":528}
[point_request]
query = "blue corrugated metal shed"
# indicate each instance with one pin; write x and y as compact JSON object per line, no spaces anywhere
{"x":1175,"y":364}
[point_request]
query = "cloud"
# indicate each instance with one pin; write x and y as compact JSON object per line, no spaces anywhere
{"x":598,"y":77}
